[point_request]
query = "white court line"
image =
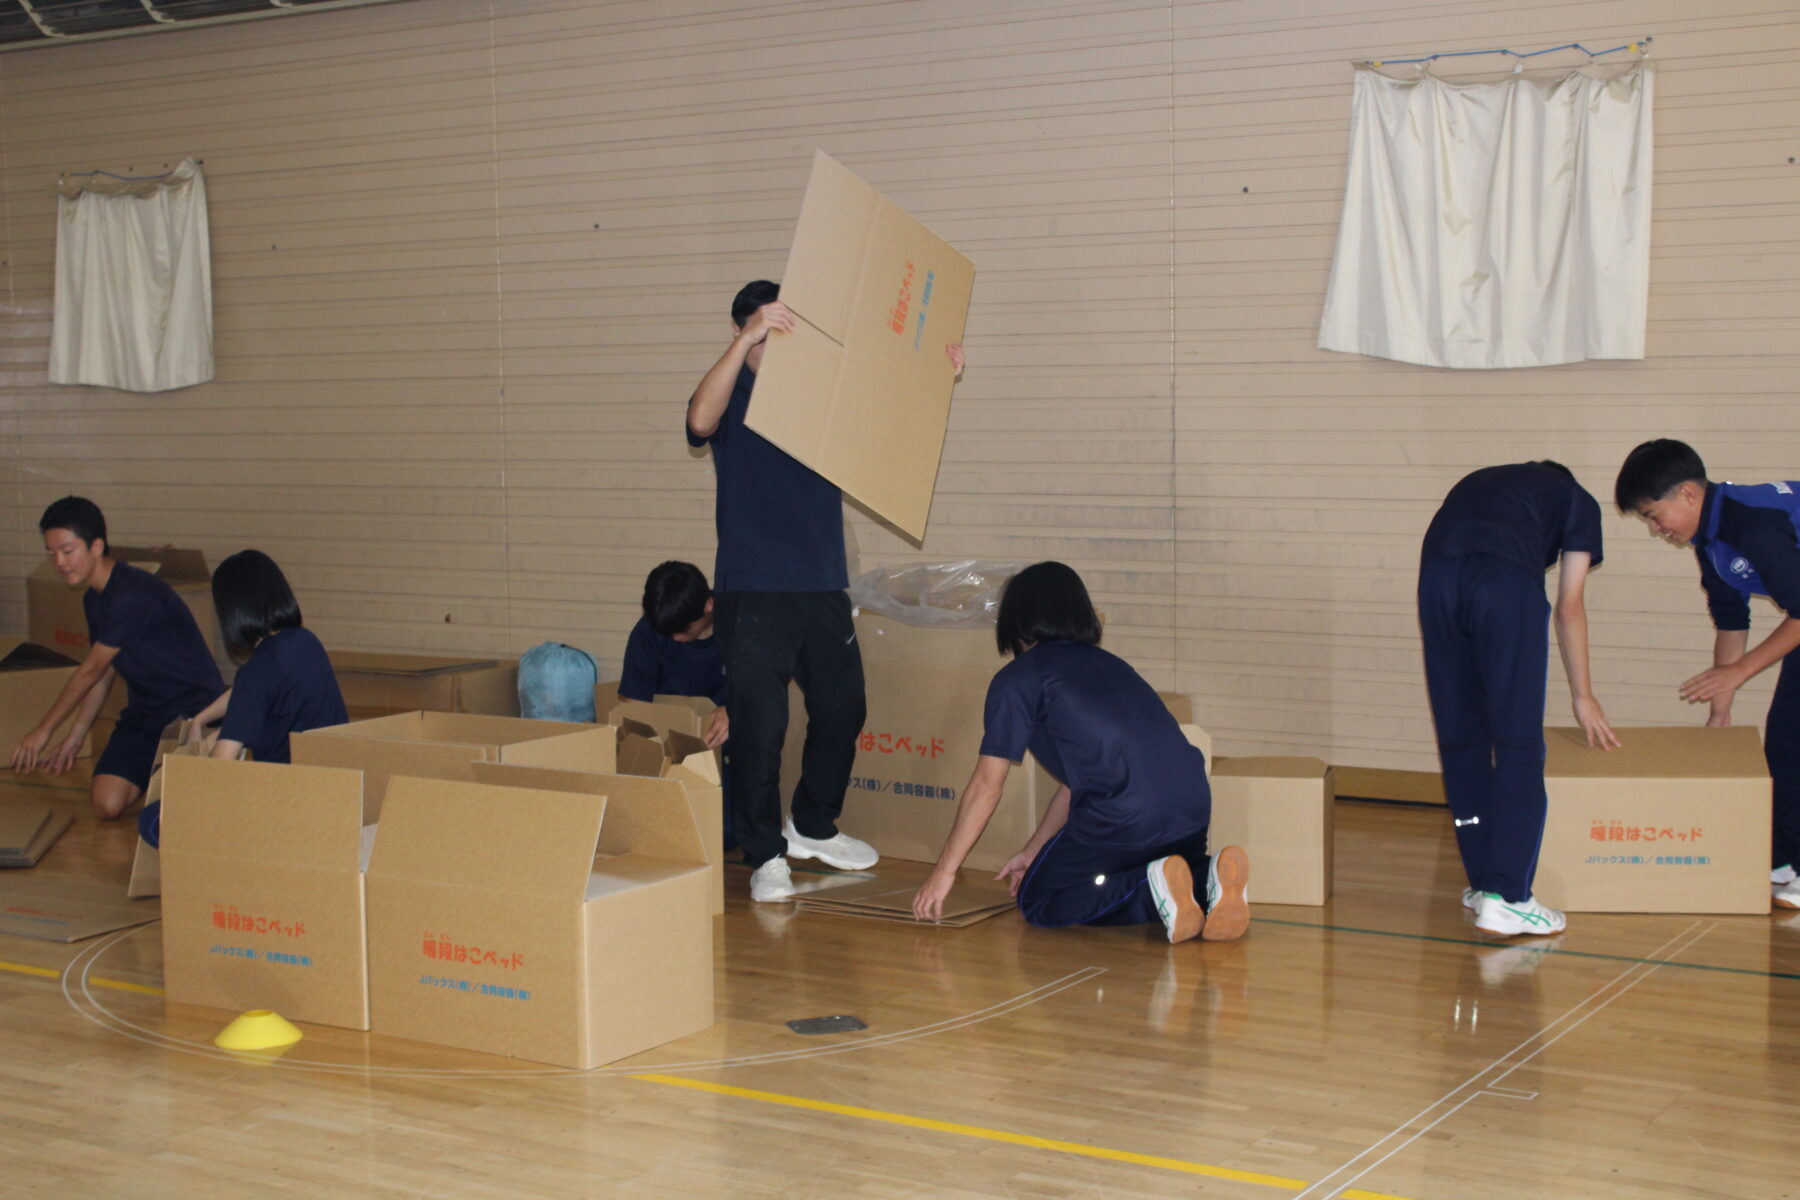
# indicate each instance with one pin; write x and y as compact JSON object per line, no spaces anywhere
{"x":75,"y":978}
{"x":1484,"y":1081}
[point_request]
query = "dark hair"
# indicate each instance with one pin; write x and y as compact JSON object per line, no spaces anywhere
{"x":79,"y":515}
{"x":253,"y":600}
{"x":752,"y":296}
{"x":1553,"y":465}
{"x":1654,"y":469}
{"x":1046,"y":602}
{"x":675,"y":597}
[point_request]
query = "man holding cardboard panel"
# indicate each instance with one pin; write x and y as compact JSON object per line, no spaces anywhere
{"x":781,"y":612}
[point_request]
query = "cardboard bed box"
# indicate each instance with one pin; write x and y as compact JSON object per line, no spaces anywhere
{"x":439,"y":745}
{"x":378,"y":684}
{"x":663,"y":713}
{"x":1280,"y":811}
{"x":58,"y":621}
{"x":685,"y":764}
{"x":1674,"y":821}
{"x":32,"y":675}
{"x":262,"y":889}
{"x":539,"y":915}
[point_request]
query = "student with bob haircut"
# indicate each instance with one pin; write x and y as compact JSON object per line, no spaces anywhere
{"x":139,"y":631}
{"x":1124,"y":839}
{"x":1746,"y":537}
{"x":284,"y":683}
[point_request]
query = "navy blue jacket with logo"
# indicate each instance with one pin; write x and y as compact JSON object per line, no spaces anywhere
{"x":1749,"y":545}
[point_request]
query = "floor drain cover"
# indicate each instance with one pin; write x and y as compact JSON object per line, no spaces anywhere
{"x":838,"y":1024}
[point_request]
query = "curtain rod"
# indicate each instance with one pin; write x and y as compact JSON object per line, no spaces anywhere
{"x":1640,"y":46}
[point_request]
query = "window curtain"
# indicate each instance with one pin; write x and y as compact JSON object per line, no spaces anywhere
{"x":1495,"y":224}
{"x":133,"y":306}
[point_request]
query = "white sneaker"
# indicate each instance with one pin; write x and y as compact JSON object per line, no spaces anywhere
{"x":841,"y":851}
{"x":1227,"y":895}
{"x":772,"y":882}
{"x":1783,"y":874}
{"x":1472,"y":898}
{"x":1498,"y":916}
{"x":1172,"y":888}
{"x":1787,"y":897}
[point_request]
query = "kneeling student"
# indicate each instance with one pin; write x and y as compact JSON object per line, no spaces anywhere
{"x":1124,"y":839}
{"x":138,"y":630}
{"x":671,"y":651}
{"x":285,"y":684}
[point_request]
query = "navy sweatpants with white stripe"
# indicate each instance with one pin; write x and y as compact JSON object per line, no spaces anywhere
{"x":1485,"y":623}
{"x":1075,"y":882}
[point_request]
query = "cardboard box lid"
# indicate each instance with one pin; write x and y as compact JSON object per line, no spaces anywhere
{"x":295,"y":815}
{"x":1658,"y":752}
{"x":1272,"y":767}
{"x":860,"y":392}
{"x":18,"y":654}
{"x":413,"y":665}
{"x":526,"y":841}
{"x":644,"y":815}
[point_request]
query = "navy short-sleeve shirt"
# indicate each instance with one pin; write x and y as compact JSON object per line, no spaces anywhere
{"x":781,"y":524}
{"x":661,"y":666}
{"x":168,"y":670}
{"x":1134,"y":778}
{"x":1526,"y":513}
{"x":287,"y":687}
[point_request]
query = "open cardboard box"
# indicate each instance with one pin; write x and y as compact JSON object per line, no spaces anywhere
{"x":262,"y":888}
{"x":1674,"y":821}
{"x":438,"y":745}
{"x":663,"y":714}
{"x":541,"y":914}
{"x":1280,"y":811}
{"x":683,"y":761}
{"x":377,"y":684}
{"x":31,"y":677}
{"x":57,"y":619}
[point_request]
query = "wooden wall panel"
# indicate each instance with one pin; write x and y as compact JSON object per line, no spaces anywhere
{"x":470,"y":258}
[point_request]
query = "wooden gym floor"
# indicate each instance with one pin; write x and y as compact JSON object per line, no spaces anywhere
{"x":1373,"y":1048}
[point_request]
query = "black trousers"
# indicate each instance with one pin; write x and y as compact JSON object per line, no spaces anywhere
{"x":1781,"y":747}
{"x":766,"y":640}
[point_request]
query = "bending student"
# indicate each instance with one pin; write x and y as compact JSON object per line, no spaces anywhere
{"x":1125,"y":836}
{"x":1482,"y":613}
{"x":138,"y":630}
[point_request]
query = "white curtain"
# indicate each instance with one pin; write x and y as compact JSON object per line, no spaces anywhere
{"x":1495,"y":224}
{"x":133,"y":282}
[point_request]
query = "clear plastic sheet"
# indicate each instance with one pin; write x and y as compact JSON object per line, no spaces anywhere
{"x":952,"y":595}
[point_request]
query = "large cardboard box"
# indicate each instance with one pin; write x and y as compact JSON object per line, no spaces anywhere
{"x":543,"y":915}
{"x":1280,"y":811}
{"x":57,"y":619}
{"x":31,"y":677}
{"x":378,"y":684}
{"x":683,"y":760}
{"x":860,"y":391}
{"x":1675,"y":820}
{"x":262,"y":889}
{"x":681,"y":714}
{"x":438,"y":745}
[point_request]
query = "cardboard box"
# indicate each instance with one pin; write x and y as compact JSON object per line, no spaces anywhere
{"x":262,"y":889}
{"x":1674,"y":821}
{"x":438,"y":745}
{"x":564,"y":922}
{"x":31,"y":677}
{"x":58,"y":621}
{"x":1280,"y":811}
{"x":682,"y":714}
{"x":379,"y":684}
{"x":860,"y":392}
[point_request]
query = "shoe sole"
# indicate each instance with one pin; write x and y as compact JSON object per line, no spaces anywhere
{"x":1509,"y":930}
{"x":1784,"y":902}
{"x":1230,"y":917}
{"x":1178,"y":891}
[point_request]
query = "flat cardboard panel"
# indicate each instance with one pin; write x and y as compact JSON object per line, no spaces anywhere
{"x":48,"y":909}
{"x":585,"y":749}
{"x":1280,"y":811}
{"x":1675,"y":820}
{"x":19,"y":825}
{"x":55,"y":824}
{"x":860,"y":392}
{"x":262,"y":883}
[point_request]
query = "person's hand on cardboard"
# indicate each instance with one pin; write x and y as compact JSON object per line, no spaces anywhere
{"x":928,"y":903}
{"x":1592,"y":720}
{"x":31,"y":746}
{"x":955,"y":351}
{"x":771,"y":316}
{"x":65,"y":755}
{"x":718,"y":729}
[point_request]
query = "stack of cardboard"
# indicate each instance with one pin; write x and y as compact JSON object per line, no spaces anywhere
{"x":27,"y":831}
{"x":377,"y":684}
{"x":975,"y":898}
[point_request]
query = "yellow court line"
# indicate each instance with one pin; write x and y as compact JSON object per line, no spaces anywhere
{"x":22,"y":969}
{"x":1001,"y":1135}
{"x":54,"y":973}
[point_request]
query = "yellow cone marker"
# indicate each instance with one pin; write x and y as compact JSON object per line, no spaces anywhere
{"x":258,"y":1029}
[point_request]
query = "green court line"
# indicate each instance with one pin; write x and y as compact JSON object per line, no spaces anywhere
{"x":1557,"y":950}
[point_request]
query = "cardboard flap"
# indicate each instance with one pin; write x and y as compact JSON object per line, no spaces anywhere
{"x":411,"y":665}
{"x":529,"y":841}
{"x":594,"y":748}
{"x":492,"y":731}
{"x":1661,"y":752}
{"x":296,"y":815}
{"x":691,"y":755}
{"x":687,"y":714}
{"x":1271,"y":768}
{"x":640,"y":753}
{"x":17,"y":654}
{"x":644,"y":816}
{"x":174,"y":565}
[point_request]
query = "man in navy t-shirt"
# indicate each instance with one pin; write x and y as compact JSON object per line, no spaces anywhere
{"x":1747,"y":539}
{"x":781,"y":612}
{"x":1482,"y":614}
{"x":138,"y":630}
